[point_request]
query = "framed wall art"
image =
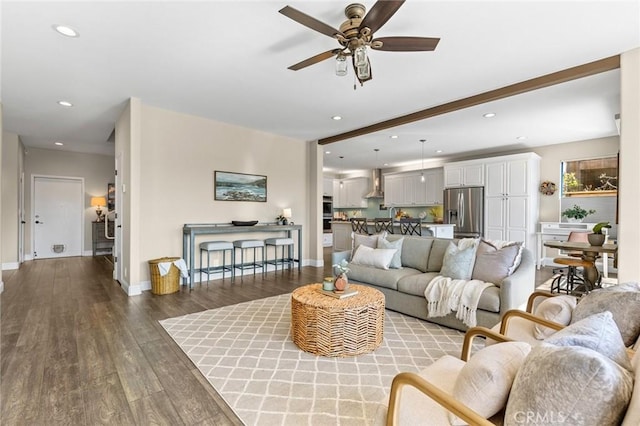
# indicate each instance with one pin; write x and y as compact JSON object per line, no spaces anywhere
{"x":230,"y":186}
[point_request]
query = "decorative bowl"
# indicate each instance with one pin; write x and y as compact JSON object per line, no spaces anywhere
{"x":243,"y":222}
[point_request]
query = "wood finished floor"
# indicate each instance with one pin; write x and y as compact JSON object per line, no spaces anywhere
{"x":76,"y":350}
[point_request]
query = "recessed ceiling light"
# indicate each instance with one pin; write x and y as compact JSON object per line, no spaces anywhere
{"x":327,"y":152}
{"x":58,"y":143}
{"x":438,"y":151}
{"x":489,"y":115}
{"x":394,"y":136}
{"x":66,"y":31}
{"x":336,"y":117}
{"x":521,"y":138}
{"x":385,"y":164}
{"x":65,"y":103}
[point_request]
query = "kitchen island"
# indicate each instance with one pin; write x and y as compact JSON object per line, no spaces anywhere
{"x":342,"y":232}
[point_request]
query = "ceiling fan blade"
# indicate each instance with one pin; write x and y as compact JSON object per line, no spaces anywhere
{"x":310,"y":22}
{"x":380,"y":13}
{"x":406,"y":44}
{"x":314,"y":59}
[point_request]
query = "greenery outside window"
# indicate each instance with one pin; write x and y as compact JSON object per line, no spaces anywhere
{"x":589,"y":178}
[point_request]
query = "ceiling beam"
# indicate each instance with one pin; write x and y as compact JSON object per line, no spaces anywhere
{"x":585,"y":70}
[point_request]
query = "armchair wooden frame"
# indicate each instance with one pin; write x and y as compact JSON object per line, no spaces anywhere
{"x":435,"y":393}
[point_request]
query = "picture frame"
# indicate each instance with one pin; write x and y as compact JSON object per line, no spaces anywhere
{"x":111,"y":196}
{"x":233,"y":186}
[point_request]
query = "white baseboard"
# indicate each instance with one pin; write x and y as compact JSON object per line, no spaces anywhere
{"x":1,"y":286}
{"x":9,"y":266}
{"x":28,"y":257}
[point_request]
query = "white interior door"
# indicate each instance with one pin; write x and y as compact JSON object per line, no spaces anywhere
{"x":117,"y":247}
{"x":57,"y":217}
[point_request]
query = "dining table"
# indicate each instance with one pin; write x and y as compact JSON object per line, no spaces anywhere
{"x":589,"y":254}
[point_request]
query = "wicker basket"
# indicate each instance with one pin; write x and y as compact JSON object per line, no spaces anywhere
{"x":170,"y":283}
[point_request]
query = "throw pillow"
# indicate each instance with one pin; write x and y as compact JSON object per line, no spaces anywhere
{"x":358,"y":240}
{"x":378,"y":258}
{"x":622,"y":301}
{"x":557,"y":309}
{"x":597,"y":332}
{"x":493,"y":264}
{"x":485,"y":381}
{"x":568,"y":385}
{"x":459,"y":258}
{"x":396,"y":262}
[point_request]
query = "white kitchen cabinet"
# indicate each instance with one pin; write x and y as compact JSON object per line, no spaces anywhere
{"x":351,"y":194}
{"x":394,"y":194}
{"x":434,"y":182}
{"x":408,"y":189}
{"x":441,"y":231}
{"x":511,"y":198}
{"x":327,"y":187}
{"x":464,"y":174}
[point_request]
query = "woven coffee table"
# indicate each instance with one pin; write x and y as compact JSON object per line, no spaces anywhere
{"x":326,"y":326}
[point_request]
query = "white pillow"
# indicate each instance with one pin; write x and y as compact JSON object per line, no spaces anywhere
{"x":378,"y":258}
{"x":557,"y":309}
{"x":485,"y":381}
{"x":459,"y":259}
{"x":383,"y":243}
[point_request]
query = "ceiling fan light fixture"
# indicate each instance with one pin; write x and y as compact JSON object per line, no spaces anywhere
{"x":363,"y":71}
{"x":360,"y":56}
{"x":341,"y":65}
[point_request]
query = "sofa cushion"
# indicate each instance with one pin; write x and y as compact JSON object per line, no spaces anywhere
{"x":557,"y":309}
{"x":632,"y":416}
{"x":378,"y":258}
{"x":436,"y":255}
{"x":459,"y":259}
{"x":494,"y":263}
{"x":387,"y":278}
{"x":415,"y":252}
{"x":485,"y":381}
{"x":366,"y":240}
{"x":622,"y":301}
{"x":416,"y":284}
{"x":568,"y":385}
{"x":597,"y":332}
{"x":383,"y":243}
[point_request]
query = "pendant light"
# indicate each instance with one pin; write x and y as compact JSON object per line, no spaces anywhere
{"x":422,"y":172}
{"x":341,"y":171}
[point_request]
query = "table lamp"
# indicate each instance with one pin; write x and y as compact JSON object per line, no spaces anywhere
{"x":98,"y":203}
{"x":287,"y":215}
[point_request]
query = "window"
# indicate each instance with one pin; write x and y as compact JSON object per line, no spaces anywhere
{"x":588,"y":178}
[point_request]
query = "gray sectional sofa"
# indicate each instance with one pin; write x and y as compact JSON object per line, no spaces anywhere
{"x":422,"y":260}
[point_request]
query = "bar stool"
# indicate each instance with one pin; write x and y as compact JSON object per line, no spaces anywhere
{"x":214,"y":246}
{"x":411,"y":226}
{"x":249,"y":244}
{"x":572,"y":278}
{"x":282,"y":243}
{"x":383,"y":224}
{"x":360,"y":226}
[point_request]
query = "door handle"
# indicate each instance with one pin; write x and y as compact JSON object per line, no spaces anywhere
{"x":23,"y":222}
{"x":37,"y":221}
{"x":119,"y":226}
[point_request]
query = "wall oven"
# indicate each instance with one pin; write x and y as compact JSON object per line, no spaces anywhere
{"x":327,"y":213}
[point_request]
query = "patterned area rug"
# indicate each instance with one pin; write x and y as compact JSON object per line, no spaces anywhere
{"x":246,"y":353}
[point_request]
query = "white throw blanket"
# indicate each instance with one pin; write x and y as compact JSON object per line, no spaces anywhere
{"x":163,"y":268}
{"x":445,"y":295}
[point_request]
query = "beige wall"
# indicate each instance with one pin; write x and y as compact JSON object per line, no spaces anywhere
{"x":12,"y":164}
{"x":178,"y":156}
{"x":629,"y":228}
{"x":1,"y":137}
{"x":97,"y":171}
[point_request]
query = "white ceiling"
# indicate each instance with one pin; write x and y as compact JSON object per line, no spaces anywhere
{"x":227,"y":60}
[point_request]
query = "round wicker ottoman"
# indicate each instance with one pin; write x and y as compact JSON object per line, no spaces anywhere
{"x":326,"y":326}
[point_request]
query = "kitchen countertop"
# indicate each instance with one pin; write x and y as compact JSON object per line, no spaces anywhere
{"x":370,"y":222}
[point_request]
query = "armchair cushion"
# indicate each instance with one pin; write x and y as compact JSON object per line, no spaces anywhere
{"x":622,"y":301}
{"x":569,"y":385}
{"x":557,"y":309}
{"x":485,"y":380}
{"x":597,"y":332}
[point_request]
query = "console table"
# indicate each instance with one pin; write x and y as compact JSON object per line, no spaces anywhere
{"x":191,"y":230}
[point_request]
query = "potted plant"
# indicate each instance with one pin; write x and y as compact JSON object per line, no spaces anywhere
{"x":597,"y":238}
{"x":577,"y":213}
{"x":282,"y":220}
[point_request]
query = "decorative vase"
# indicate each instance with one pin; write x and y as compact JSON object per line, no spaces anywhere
{"x":285,"y":221}
{"x":574,"y":220}
{"x":596,"y":239}
{"x":341,"y":283}
{"x":327,"y":284}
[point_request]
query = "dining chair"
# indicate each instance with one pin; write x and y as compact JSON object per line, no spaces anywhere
{"x":383,"y":224}
{"x":569,"y":278}
{"x":359,"y":226}
{"x":411,"y":226}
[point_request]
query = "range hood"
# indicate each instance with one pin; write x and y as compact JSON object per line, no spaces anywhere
{"x":376,"y":181}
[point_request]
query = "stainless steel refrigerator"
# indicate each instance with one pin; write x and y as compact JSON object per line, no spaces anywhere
{"x":464,"y":207}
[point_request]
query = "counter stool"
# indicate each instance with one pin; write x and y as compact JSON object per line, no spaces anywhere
{"x":282,"y":243}
{"x":249,"y":244}
{"x":572,"y":278}
{"x":214,"y":246}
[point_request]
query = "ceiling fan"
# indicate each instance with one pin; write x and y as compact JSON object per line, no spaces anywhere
{"x":356,"y":34}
